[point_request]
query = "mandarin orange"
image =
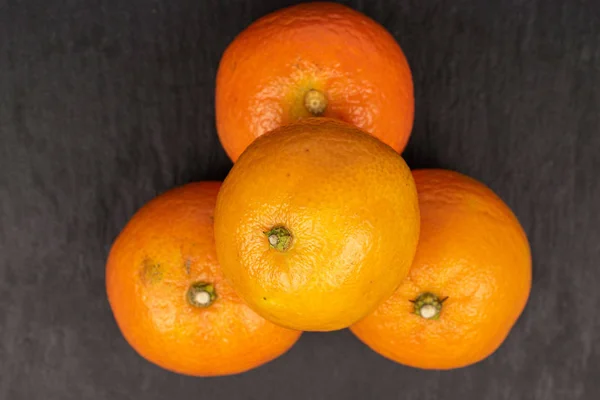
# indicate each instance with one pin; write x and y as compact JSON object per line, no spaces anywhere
{"x":169,"y":298}
{"x":316,"y":59}
{"x":467,"y":286}
{"x":316,"y":224}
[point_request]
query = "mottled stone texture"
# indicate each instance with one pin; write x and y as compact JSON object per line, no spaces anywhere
{"x":105,"y":103}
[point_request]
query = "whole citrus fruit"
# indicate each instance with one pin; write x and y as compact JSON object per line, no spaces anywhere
{"x":169,"y":298}
{"x":316,"y":59}
{"x":316,"y":224}
{"x":467,"y":286}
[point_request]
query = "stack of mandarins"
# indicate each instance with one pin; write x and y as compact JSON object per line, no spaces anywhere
{"x":320,"y":225}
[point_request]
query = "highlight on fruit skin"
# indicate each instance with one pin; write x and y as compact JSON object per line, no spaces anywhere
{"x":169,"y":298}
{"x":468,"y":284}
{"x":313,"y":59}
{"x":316,"y":224}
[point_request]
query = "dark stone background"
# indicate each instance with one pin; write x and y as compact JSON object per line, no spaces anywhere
{"x":106,"y":103}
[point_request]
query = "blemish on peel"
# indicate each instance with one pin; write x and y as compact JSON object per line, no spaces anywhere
{"x":151,"y":272}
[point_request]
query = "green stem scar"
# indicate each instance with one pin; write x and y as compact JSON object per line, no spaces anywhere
{"x":279,"y":238}
{"x":201,"y":294}
{"x":428,"y":305}
{"x":315,"y":102}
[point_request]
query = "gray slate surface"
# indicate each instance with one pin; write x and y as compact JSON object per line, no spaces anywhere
{"x":106,"y":103}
